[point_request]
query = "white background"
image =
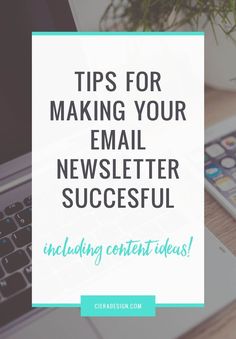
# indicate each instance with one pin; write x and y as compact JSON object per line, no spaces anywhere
{"x":179,"y":59}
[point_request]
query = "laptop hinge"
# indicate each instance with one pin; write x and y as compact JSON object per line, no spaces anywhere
{"x":15,"y":182}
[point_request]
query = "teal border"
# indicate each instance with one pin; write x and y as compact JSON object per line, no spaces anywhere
{"x":157,"y":305}
{"x":180,"y":305}
{"x":56,"y":305}
{"x":118,"y":33}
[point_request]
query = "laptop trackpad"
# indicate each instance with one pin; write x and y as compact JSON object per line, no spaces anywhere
{"x":60,"y":323}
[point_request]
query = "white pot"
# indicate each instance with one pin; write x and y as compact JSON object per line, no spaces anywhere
{"x":220,"y":59}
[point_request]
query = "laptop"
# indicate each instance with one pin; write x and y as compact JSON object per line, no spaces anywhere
{"x":17,"y":318}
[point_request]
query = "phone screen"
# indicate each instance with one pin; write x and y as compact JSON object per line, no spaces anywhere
{"x":220,"y":165}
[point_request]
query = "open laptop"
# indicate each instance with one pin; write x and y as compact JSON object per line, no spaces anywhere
{"x":17,"y":318}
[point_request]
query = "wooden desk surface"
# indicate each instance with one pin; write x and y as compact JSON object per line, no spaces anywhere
{"x":219,"y":105}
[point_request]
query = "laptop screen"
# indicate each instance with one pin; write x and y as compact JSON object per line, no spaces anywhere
{"x":15,"y":67}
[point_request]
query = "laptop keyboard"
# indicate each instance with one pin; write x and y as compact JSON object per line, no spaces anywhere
{"x":15,"y":249}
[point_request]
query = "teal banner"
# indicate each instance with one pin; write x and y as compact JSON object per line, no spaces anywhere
{"x":118,"y":306}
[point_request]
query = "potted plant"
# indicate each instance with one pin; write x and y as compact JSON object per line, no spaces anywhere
{"x":216,"y":17}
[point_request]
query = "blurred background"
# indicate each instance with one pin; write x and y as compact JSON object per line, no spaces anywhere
{"x":217,"y":18}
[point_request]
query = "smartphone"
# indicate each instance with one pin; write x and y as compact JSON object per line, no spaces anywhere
{"x":220,"y":163}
